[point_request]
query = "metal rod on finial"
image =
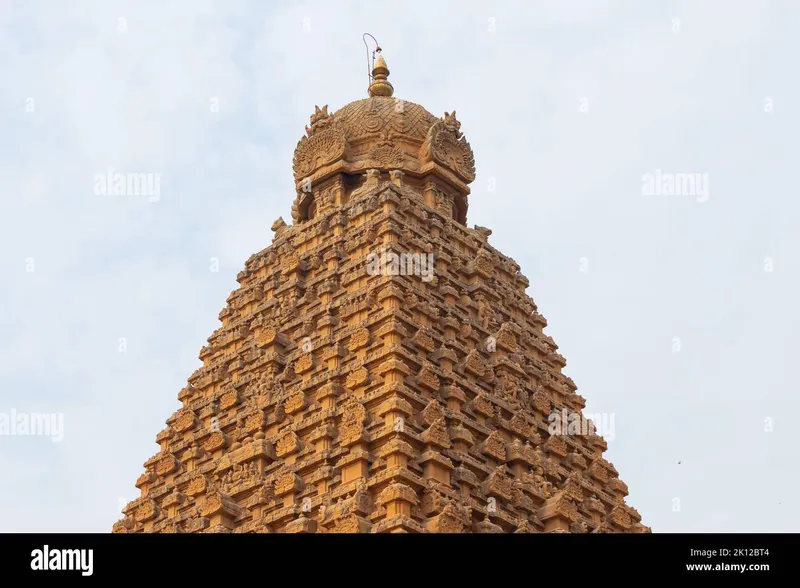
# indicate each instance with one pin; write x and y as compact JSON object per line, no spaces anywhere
{"x":370,"y":66}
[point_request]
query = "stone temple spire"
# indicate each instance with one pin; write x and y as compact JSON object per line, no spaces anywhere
{"x":381,"y":368}
{"x":380,"y":85}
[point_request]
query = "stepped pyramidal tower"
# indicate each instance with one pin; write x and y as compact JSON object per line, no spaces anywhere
{"x":380,"y":368}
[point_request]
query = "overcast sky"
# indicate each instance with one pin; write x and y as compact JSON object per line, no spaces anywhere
{"x":677,"y":314}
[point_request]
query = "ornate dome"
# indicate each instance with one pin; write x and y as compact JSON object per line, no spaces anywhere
{"x":383,"y":133}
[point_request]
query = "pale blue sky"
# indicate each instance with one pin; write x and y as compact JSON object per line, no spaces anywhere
{"x":683,"y":96}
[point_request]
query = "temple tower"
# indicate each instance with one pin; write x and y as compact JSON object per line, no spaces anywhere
{"x":380,"y":368}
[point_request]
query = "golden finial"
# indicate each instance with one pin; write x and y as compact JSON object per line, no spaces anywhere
{"x":380,"y":85}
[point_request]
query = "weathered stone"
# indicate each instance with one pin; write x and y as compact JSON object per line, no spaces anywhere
{"x":380,"y":368}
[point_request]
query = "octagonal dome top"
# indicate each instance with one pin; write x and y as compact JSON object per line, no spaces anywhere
{"x":386,"y":133}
